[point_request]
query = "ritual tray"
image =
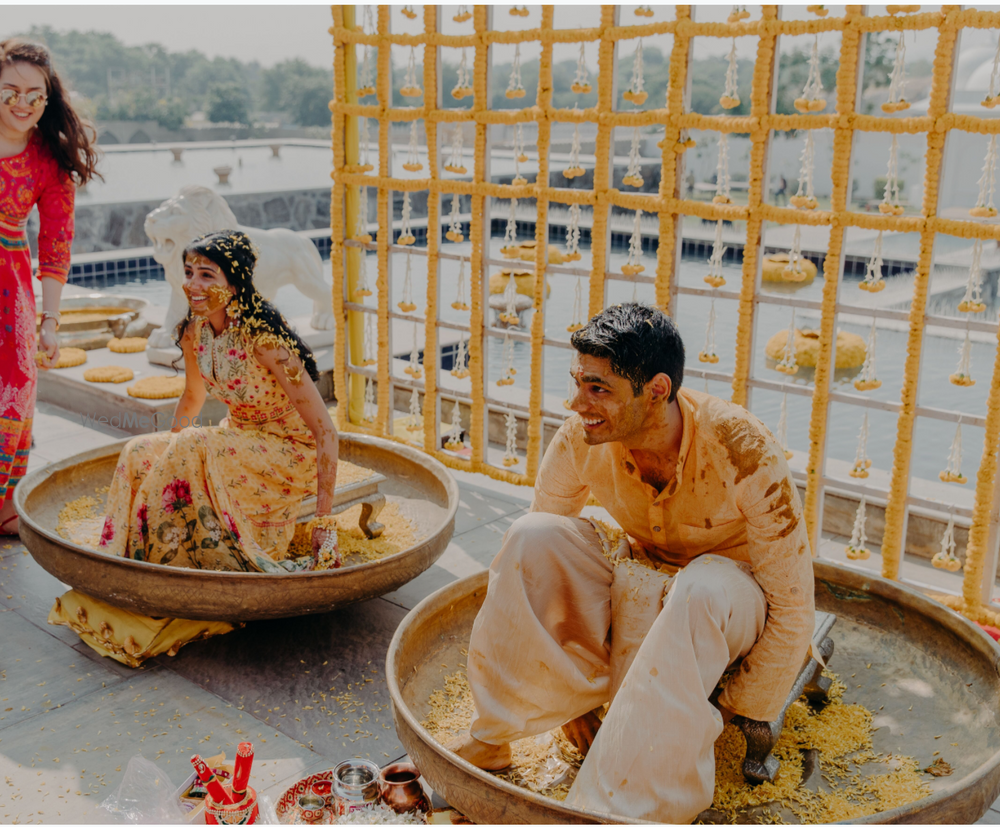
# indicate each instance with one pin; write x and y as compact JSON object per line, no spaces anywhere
{"x":422,"y":487}
{"x":942,"y":672}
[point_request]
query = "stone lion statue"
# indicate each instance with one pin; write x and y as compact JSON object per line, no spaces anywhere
{"x":285,"y":256}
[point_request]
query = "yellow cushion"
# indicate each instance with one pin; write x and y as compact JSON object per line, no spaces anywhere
{"x":128,"y":637}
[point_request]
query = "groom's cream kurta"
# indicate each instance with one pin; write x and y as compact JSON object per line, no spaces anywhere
{"x":729,"y":528}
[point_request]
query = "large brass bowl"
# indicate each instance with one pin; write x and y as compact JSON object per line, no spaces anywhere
{"x":940,"y":676}
{"x":424,"y":488}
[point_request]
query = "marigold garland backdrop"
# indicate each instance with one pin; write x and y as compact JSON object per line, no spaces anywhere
{"x":363,"y":102}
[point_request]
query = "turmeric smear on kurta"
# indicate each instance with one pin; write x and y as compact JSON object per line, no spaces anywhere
{"x":841,"y":734}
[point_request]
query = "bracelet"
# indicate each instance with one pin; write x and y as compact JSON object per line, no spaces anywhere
{"x":54,"y":315}
{"x":328,"y":522}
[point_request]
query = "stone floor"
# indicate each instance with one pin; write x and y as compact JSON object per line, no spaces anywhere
{"x":309,"y":691}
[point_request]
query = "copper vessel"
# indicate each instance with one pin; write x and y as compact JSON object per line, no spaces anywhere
{"x":399,"y":788}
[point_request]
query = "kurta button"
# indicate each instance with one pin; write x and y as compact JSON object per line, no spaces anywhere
{"x":656,"y":528}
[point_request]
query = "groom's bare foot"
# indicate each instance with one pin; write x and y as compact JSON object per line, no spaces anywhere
{"x":489,"y":757}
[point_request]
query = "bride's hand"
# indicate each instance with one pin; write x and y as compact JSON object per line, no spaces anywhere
{"x":325,"y":539}
{"x":48,"y":347}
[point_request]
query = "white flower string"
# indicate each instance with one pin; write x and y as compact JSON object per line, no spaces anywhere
{"x":509,"y":249}
{"x":857,"y":547}
{"x":515,"y":89}
{"x":782,"y":434}
{"x":708,"y":354}
{"x":992,"y":98}
{"x":873,"y":281}
{"x":634,"y":264}
{"x":520,"y":156}
{"x":715,"y":277}
{"x":519,"y":11}
{"x":509,"y":316}
{"x":366,"y":84}
{"x":581,"y":81}
{"x":972,"y":301}
{"x":414,"y":423}
{"x":411,"y":88}
{"x":723,"y":195}
{"x":573,"y":234}
{"x":953,"y":471}
{"x":460,"y":368}
{"x":455,"y":221}
{"x":897,"y":80}
{"x":788,"y":365}
{"x":507,"y":360}
{"x":456,"y":155}
{"x":363,"y":290}
{"x":409,"y":12}
{"x":731,"y":96}
{"x":407,"y":305}
{"x":963,"y":373}
{"x":574,"y":170}
{"x":370,"y":409}
{"x":890,"y":200}
{"x":364,"y":144}
{"x":414,"y":369}
{"x":793,"y":271}
{"x":812,"y":93}
{"x":463,"y":14}
{"x":361,"y":225}
{"x":633,"y":175}
{"x":987,"y":184}
{"x":868,"y":381}
{"x":861,"y":461}
{"x":413,"y":163}
{"x":510,"y":450}
{"x":454,"y":442}
{"x":578,"y":320}
{"x":946,"y":558}
{"x":643,"y":11}
{"x":635,"y":93}
{"x":460,"y":302}
{"x":405,"y":233}
{"x":737,"y":14}
{"x":463,"y":85}
{"x":370,"y":350}
{"x":805,"y":197}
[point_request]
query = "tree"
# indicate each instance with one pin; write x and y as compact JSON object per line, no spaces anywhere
{"x":312,"y":103}
{"x":283,"y":83}
{"x":228,"y":103}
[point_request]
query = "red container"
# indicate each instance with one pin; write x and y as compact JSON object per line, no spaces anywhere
{"x":243,"y":812}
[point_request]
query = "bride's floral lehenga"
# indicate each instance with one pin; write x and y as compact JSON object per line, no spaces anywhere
{"x":221,"y":497}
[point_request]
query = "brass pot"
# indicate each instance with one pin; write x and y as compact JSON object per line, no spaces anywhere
{"x":399,"y":788}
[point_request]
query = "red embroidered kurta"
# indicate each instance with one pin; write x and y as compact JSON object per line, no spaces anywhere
{"x":31,"y":178}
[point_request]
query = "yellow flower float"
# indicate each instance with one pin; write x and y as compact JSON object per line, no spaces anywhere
{"x":776,"y":267}
{"x":851,"y":349}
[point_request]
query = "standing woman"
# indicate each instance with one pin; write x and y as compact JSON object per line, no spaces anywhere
{"x":45,"y":153}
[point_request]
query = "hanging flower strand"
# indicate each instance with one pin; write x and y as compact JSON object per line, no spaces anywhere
{"x":414,"y":423}
{"x":414,"y":369}
{"x":579,"y":321}
{"x":410,"y":88}
{"x":633,"y":175}
{"x":635,"y":93}
{"x":643,"y":11}
{"x":515,"y":89}
{"x":794,"y":271}
{"x":412,"y":163}
{"x":805,"y":197}
{"x":409,"y":12}
{"x":363,"y":143}
{"x":455,"y":222}
{"x":460,"y":369}
{"x":573,"y":234}
{"x":731,"y":96}
{"x":953,"y":471}
{"x":363,"y":290}
{"x":405,"y":233}
{"x":581,"y":81}
{"x":897,"y":81}
{"x":463,"y":14}
{"x":370,"y":409}
{"x":972,"y":301}
{"x":463,"y":86}
{"x":520,"y":156}
{"x":708,"y":354}
{"x":857,"y":547}
{"x":723,"y":193}
{"x":861,"y":461}
{"x":782,"y":433}
{"x":510,"y":453}
{"x":873,"y":281}
{"x":987,"y":184}
{"x":946,"y":558}
{"x":366,"y":86}
{"x":737,"y":14}
{"x":407,"y":305}
{"x":634,"y":264}
{"x":574,"y":170}
{"x":715,"y":277}
{"x":993,"y":96}
{"x":788,"y":364}
{"x":454,"y":441}
{"x":868,"y":381}
{"x":460,"y":302}
{"x":812,"y":93}
{"x":368,"y":354}
{"x":507,"y":360}
{"x":361,"y":225}
{"x":963,"y":373}
{"x":890,"y":200}
{"x":510,"y":248}
{"x":456,"y":155}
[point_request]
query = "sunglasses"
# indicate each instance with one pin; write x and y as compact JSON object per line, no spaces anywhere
{"x":11,"y":97}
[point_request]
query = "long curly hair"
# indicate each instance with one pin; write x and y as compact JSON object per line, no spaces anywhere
{"x":71,"y":141}
{"x":236,"y":255}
